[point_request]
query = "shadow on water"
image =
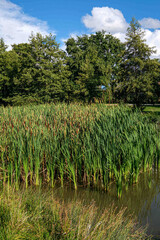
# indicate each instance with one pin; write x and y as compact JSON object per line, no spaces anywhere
{"x":141,"y":200}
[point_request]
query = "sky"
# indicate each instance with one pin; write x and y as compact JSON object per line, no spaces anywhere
{"x":68,"y":18}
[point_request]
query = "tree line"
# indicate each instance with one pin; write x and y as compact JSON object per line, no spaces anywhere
{"x":96,"y":67}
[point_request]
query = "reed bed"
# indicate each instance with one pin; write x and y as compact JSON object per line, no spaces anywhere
{"x":87,"y":145}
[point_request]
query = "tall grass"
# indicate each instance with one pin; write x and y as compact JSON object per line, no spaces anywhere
{"x":30,"y":214}
{"x":89,"y":145}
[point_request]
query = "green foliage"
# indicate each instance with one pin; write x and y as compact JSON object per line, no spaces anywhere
{"x":3,"y":47}
{"x":88,"y":145}
{"x":34,"y":72}
{"x":36,"y":215}
{"x":9,"y":65}
{"x":138,"y":72}
{"x":94,"y":68}
{"x":5,"y":218}
{"x":93,"y":61}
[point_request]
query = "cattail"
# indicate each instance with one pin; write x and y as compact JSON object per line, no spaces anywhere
{"x":107,"y":144}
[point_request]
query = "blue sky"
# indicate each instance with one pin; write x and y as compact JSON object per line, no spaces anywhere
{"x":70,"y":17}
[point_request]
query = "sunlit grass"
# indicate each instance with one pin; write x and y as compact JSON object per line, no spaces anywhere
{"x":31,"y":214}
{"x":152,"y":109}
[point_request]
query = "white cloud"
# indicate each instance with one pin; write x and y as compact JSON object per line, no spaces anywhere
{"x":150,"y":23}
{"x":71,"y":35}
{"x":16,"y":26}
{"x":109,"y":19}
{"x":64,"y":40}
{"x":153,"y":40}
{"x":120,"y":36}
{"x":112,"y":20}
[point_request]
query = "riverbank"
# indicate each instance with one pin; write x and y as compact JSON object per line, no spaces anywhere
{"x":32,"y":214}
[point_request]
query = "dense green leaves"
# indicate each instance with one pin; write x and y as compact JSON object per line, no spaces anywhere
{"x":34,"y":72}
{"x":93,"y":61}
{"x":96,"y":67}
{"x":137,"y":71}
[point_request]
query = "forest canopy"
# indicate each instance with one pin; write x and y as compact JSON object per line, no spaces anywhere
{"x":96,"y":67}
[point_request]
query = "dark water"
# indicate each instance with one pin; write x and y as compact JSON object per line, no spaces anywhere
{"x":142,"y":200}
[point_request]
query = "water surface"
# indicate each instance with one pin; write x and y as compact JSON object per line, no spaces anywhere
{"x":142,"y":200}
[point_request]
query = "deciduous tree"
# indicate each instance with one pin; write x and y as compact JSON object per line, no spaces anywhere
{"x":93,"y":61}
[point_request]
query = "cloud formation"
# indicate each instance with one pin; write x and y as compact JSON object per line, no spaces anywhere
{"x":153,"y":40}
{"x":16,"y":26}
{"x":112,"y":21}
{"x":108,"y":19}
{"x":150,"y":23}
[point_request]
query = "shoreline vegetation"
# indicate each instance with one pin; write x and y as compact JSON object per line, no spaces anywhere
{"x":91,"y":145}
{"x":88,"y":145}
{"x":27,"y":214}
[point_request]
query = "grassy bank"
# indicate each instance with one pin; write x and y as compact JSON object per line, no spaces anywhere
{"x":31,"y":214}
{"x":153,"y":112}
{"x":88,"y":145}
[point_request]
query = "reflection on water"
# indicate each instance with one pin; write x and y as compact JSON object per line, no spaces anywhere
{"x":141,"y":200}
